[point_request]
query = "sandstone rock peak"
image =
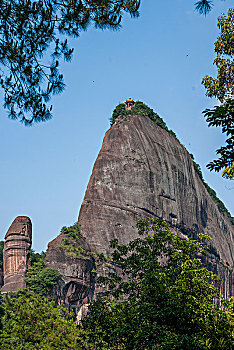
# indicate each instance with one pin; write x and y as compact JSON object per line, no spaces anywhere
{"x":142,"y":171}
{"x":18,"y":241}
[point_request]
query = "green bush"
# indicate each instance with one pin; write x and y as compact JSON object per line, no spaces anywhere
{"x":40,"y":280}
{"x":160,"y":303}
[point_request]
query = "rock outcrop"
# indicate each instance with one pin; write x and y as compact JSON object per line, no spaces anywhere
{"x":143,"y":171}
{"x":77,"y":282}
{"x":18,"y":241}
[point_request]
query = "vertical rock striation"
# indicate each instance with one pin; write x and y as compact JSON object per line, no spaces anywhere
{"x":142,"y":171}
{"x":18,"y":241}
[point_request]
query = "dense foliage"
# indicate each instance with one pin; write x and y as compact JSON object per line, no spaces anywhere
{"x":34,"y":323}
{"x":222,"y":87}
{"x":165,"y":299}
{"x":40,"y":280}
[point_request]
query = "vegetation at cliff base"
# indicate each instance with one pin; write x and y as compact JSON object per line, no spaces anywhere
{"x":164,"y":300}
{"x":34,"y":323}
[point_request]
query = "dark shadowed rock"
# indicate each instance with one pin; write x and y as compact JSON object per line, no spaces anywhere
{"x":77,"y":281}
{"x":16,"y":252}
{"x":142,"y":171}
{"x":1,"y":277}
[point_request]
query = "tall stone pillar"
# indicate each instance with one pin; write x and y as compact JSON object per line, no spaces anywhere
{"x":18,"y":241}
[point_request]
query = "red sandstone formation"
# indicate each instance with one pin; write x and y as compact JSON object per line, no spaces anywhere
{"x":77,"y":281}
{"x":142,"y":171}
{"x":16,"y":251}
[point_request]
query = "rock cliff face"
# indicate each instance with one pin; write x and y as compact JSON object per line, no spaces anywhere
{"x":77,"y":282}
{"x":16,"y":252}
{"x":142,"y":171}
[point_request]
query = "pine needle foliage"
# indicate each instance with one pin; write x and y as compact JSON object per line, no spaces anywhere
{"x":28,"y":29}
{"x":204,"y":6}
{"x":33,"y":30}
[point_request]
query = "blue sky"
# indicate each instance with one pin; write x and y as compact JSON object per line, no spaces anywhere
{"x":159,"y":58}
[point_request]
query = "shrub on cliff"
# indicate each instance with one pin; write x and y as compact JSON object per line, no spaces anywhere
{"x":165,"y":299}
{"x":139,"y":108}
{"x":39,"y":279}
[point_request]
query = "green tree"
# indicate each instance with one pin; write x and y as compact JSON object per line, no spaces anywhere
{"x":165,"y":299}
{"x":222,"y":87}
{"x":38,"y":324}
{"x":40,"y":280}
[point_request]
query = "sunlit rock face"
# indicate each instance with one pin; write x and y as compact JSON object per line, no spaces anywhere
{"x":18,"y":241}
{"x":142,"y":171}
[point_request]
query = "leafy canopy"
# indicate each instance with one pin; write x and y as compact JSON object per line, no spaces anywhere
{"x":40,"y":280}
{"x":165,"y":299}
{"x":34,"y":323}
{"x":222,"y":87}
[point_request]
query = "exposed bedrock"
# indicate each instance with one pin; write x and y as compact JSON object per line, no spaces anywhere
{"x":77,"y":281}
{"x":142,"y":171}
{"x":16,"y":252}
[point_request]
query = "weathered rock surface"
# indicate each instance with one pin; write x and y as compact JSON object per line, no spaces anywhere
{"x":18,"y":241}
{"x":77,"y":282}
{"x":142,"y":171}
